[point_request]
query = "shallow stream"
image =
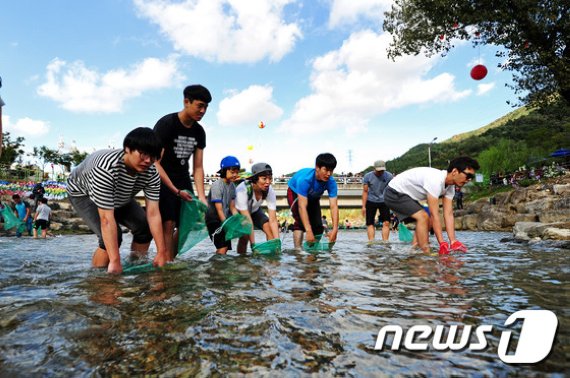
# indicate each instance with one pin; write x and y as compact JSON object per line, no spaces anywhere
{"x":293,"y":314}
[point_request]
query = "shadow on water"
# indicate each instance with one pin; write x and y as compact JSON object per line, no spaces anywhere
{"x":291,"y":314}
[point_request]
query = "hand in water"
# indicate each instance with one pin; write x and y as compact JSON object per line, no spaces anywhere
{"x":115,"y":268}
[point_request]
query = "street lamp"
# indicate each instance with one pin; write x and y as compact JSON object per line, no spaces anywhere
{"x":429,"y":150}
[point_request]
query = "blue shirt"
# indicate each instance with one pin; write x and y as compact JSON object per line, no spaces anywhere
{"x":305,"y":183}
{"x":21,"y":209}
{"x":376,"y":185}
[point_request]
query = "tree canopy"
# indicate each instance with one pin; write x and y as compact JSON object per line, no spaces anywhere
{"x":535,"y":35}
{"x":525,"y":139}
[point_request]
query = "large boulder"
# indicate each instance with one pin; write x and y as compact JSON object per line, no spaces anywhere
{"x":538,"y":230}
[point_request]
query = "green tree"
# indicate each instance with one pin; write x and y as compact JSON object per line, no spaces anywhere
{"x":71,"y":158}
{"x":77,"y":157}
{"x":535,"y":35}
{"x":11,"y":149}
{"x":45,"y":155}
{"x":505,"y":156}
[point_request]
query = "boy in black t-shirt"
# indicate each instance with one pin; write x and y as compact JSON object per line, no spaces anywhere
{"x":181,"y":137}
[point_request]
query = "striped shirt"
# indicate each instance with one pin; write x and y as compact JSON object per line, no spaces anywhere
{"x":104,"y":178}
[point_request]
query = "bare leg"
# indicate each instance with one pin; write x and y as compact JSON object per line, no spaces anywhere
{"x":242,"y":244}
{"x":139,"y":250}
{"x":386,"y":230}
{"x":422,"y":229}
{"x":268,"y":231}
{"x":168,"y":230}
{"x":100,"y":258}
{"x":297,"y":238}
{"x":371,"y":232}
{"x":175,"y":243}
{"x":222,"y":251}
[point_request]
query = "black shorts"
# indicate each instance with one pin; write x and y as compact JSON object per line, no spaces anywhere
{"x":44,"y":224}
{"x":372,"y":207}
{"x":401,"y":204}
{"x":219,"y":239}
{"x":313,"y":209}
{"x":169,"y":202}
{"x":259,"y":219}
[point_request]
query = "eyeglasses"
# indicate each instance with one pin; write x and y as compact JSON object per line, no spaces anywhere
{"x":145,"y":156}
{"x":470,"y":176}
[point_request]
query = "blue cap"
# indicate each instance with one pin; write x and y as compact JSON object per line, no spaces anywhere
{"x":230,"y":162}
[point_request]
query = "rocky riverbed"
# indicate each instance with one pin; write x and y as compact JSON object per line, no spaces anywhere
{"x":538,"y":211}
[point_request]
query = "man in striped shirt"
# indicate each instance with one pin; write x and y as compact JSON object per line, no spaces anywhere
{"x":102,"y":190}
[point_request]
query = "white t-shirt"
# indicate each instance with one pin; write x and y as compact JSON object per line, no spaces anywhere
{"x":43,"y":212}
{"x":252,"y":205}
{"x":418,"y":182}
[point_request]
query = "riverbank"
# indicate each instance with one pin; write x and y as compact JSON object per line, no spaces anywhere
{"x":540,"y":211}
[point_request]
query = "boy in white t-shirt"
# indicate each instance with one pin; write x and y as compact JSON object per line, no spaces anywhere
{"x":405,"y":192}
{"x":43,"y":213}
{"x":250,"y":195}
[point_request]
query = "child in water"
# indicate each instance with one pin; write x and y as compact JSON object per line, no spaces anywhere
{"x":221,"y":203}
{"x":250,"y":195}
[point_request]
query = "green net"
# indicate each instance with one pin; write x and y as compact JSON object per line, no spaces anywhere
{"x":319,"y":245}
{"x":134,"y":268}
{"x":237,"y":226}
{"x":404,"y":234}
{"x":11,"y":220}
{"x":192,"y":229}
{"x":267,"y":248}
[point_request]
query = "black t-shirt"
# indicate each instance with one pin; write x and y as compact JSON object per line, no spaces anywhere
{"x":179,"y":144}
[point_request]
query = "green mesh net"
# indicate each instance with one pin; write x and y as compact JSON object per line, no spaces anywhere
{"x":404,"y":234}
{"x":267,"y":248}
{"x":130,"y":267}
{"x":237,"y":226}
{"x":10,"y":219}
{"x":192,"y":229}
{"x":319,"y":245}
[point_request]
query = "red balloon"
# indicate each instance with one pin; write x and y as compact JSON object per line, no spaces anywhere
{"x":478,"y":72}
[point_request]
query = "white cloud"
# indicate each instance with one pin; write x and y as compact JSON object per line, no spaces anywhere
{"x":357,"y":82}
{"x":248,"y":107}
{"x":345,"y":12}
{"x":81,"y":89}
{"x":225,"y":30}
{"x":484,"y":88}
{"x":25,"y":127}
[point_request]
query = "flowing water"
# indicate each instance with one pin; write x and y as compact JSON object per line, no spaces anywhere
{"x":292,"y":315}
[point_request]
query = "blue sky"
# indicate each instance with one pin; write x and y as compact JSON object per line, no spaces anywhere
{"x":83,"y":74}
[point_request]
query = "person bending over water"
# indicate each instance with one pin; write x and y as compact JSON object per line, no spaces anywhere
{"x":306,"y":188}
{"x":102,"y":189}
{"x":406,"y":190}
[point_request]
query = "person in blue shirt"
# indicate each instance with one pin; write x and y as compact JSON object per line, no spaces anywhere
{"x":23,"y":212}
{"x":305,"y":190}
{"x":373,"y":185}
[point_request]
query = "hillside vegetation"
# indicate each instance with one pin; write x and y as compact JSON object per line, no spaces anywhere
{"x":522,"y":137}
